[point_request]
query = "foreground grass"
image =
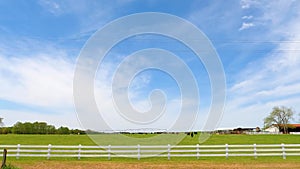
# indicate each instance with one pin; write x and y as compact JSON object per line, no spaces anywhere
{"x":9,"y":166}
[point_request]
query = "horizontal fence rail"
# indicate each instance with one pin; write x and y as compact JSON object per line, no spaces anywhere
{"x":141,"y":151}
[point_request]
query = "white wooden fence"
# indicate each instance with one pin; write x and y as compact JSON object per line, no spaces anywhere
{"x":140,"y":151}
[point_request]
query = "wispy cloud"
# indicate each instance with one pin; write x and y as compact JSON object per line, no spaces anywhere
{"x":247,"y":17}
{"x":245,"y":4}
{"x":43,"y":80}
{"x":108,"y":96}
{"x":89,"y":15}
{"x":36,"y":77}
{"x":271,"y":80}
{"x":40,"y":74}
{"x":52,"y":6}
{"x":246,"y":25}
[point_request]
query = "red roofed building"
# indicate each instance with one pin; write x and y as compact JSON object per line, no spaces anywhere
{"x":294,"y":127}
{"x":291,"y":128}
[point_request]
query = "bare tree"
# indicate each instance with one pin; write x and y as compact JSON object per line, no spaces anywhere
{"x":280,"y":116}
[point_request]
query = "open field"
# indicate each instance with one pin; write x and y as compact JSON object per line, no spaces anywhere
{"x":46,"y":139}
{"x":85,"y":140}
{"x":245,"y":139}
{"x":180,"y":162}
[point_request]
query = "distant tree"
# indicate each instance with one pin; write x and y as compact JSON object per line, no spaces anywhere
{"x":42,"y":127}
{"x":50,"y":129}
{"x":63,"y":130}
{"x":17,"y":128}
{"x":6,"y":130}
{"x":38,"y":128}
{"x":27,"y":128}
{"x":280,"y":116}
{"x":77,"y":131}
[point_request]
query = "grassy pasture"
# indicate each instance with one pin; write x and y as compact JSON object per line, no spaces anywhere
{"x":46,"y":139}
{"x":85,"y":140}
{"x":178,"y":162}
{"x":245,"y":139}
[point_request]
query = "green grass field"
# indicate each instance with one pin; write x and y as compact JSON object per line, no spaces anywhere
{"x":246,"y":139}
{"x":46,"y":139}
{"x":85,"y":140}
{"x":178,"y":162}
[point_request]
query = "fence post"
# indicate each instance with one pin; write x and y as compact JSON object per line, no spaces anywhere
{"x":79,"y":150}
{"x":255,"y":152}
{"x":283,"y":151}
{"x":198,"y":151}
{"x":18,"y":151}
{"x":109,"y":149}
{"x":226,"y":145}
{"x":4,"y":158}
{"x":49,"y":151}
{"x":169,"y":152}
{"x":139,"y":152}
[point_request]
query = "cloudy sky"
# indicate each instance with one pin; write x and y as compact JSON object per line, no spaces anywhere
{"x":257,"y":42}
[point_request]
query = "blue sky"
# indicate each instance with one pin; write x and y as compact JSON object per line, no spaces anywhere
{"x":257,"y":42}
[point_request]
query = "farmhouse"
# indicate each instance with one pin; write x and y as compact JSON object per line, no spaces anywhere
{"x":272,"y":129}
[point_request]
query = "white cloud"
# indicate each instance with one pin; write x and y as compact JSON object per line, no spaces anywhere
{"x":246,"y":26}
{"x":89,"y":15}
{"x":252,"y":97}
{"x":52,"y":6}
{"x":108,"y":104}
{"x":272,"y":80}
{"x":36,"y":78}
{"x":279,"y":13}
{"x":245,"y":4}
{"x":270,"y":15}
{"x":214,"y":15}
{"x":247,"y":17}
{"x":43,"y":80}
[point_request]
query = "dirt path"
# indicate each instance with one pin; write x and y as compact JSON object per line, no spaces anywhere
{"x":149,"y":165}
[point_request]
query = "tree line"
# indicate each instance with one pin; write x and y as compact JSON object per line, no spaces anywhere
{"x":38,"y":128}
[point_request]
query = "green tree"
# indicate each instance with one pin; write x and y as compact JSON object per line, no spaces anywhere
{"x":63,"y":130}
{"x":27,"y":128}
{"x":17,"y":128}
{"x":5,"y":130}
{"x":50,"y":129}
{"x":76,"y":131}
{"x":280,"y":116}
{"x":38,"y":128}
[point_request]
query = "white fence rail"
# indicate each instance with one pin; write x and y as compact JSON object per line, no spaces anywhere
{"x":140,"y":151}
